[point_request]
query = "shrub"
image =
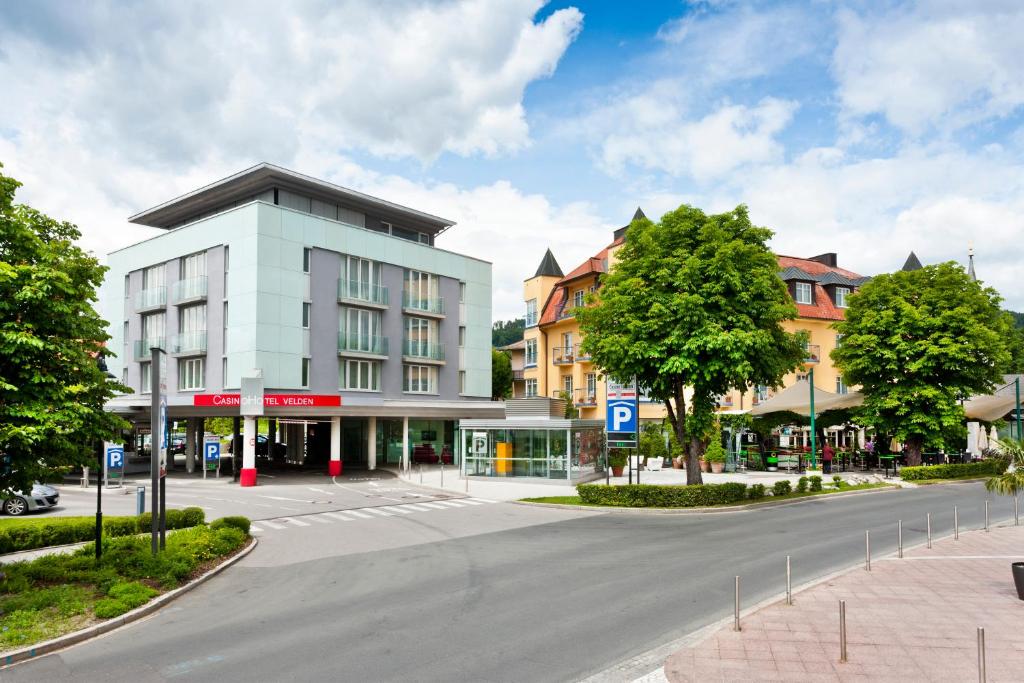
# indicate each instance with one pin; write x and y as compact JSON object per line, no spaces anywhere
{"x":238,"y":522}
{"x":801,"y":484}
{"x":119,"y":526}
{"x":143,"y":523}
{"x":715,"y":451}
{"x":31,"y":533}
{"x":815,"y":483}
{"x":191,"y":516}
{"x":650,"y":495}
{"x":838,"y":482}
{"x":982,"y":468}
{"x":617,"y":457}
{"x":756,"y":491}
{"x":782,"y":487}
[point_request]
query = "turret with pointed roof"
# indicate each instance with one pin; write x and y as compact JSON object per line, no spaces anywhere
{"x":970,"y":264}
{"x":912,"y":263}
{"x":548,"y":266}
{"x":638,"y":214}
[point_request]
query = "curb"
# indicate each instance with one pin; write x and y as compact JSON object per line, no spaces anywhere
{"x":61,"y":642}
{"x":706,"y":510}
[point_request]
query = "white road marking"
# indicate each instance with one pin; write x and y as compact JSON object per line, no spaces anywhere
{"x":296,"y":522}
{"x":482,"y":500}
{"x":361,"y":493}
{"x":272,"y":525}
{"x":417,"y":508}
{"x":447,"y":503}
{"x":311,"y":488}
{"x":253,"y":529}
{"x":431,"y":505}
{"x":293,"y":500}
{"x":470,"y":501}
{"x":379,"y":512}
{"x":361,"y":515}
{"x":396,"y":508}
{"x":335,"y":515}
{"x":317,"y":518}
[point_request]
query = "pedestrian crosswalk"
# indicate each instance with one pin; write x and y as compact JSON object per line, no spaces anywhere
{"x":368,"y":513}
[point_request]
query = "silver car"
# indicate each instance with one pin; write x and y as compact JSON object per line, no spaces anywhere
{"x":43,"y":497}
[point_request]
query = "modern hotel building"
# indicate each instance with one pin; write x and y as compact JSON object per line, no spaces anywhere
{"x":372,"y":342}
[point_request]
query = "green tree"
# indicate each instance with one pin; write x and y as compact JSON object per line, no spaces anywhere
{"x":918,"y":342}
{"x":501,"y":375}
{"x":53,"y":381}
{"x":505,"y":332}
{"x":693,"y":302}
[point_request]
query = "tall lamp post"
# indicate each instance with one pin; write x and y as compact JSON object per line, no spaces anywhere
{"x":1017,"y":407}
{"x":814,"y":436}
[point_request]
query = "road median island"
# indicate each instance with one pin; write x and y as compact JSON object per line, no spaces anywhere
{"x":57,"y":600}
{"x":702,"y":498}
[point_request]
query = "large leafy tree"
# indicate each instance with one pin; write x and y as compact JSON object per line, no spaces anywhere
{"x":694,"y":303}
{"x":53,"y":382}
{"x":501,"y":375}
{"x":918,"y":342}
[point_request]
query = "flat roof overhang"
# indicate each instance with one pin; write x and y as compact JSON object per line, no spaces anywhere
{"x":265,"y":176}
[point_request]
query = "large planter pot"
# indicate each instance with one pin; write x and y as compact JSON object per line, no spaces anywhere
{"x":1018,"y":578}
{"x":677,"y":463}
{"x":617,"y":471}
{"x":704,"y":465}
{"x":717,"y":467}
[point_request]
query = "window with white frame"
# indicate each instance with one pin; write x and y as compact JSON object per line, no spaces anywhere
{"x":360,"y":375}
{"x":420,"y":335}
{"x":307,"y":258}
{"x":462,"y":335}
{"x":154,"y":325}
{"x":226,"y":263}
{"x":842,"y":294}
{"x":192,"y":319}
{"x":224,"y":371}
{"x":224,"y":331}
{"x":531,"y":352}
{"x":419,"y":379}
{"x":191,"y":374}
{"x":145,"y":378}
{"x":462,"y":292}
{"x":304,"y":380}
{"x":577,"y":298}
{"x":361,"y":330}
{"x":153,"y":277}
{"x":531,"y":312}
{"x":193,"y":265}
{"x":591,"y":384}
{"x":362,"y":278}
{"x":802,"y":377}
{"x":567,"y":384}
{"x":307,"y":310}
{"x":127,"y":286}
{"x":803,"y":293}
{"x":462,"y":381}
{"x":841,"y":387}
{"x":567,"y":345}
{"x":531,"y":388}
{"x":839,"y":340}
{"x":420,"y":289}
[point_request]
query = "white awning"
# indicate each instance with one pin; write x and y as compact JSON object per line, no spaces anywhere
{"x":989,"y":408}
{"x":797,"y":399}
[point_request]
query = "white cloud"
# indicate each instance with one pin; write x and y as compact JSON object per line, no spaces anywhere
{"x":933,"y":64}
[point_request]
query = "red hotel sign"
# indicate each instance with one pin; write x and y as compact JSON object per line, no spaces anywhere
{"x":269,"y":401}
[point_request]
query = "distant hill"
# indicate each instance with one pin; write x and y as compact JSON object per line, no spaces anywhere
{"x":505,"y":332}
{"x":1018,"y":318}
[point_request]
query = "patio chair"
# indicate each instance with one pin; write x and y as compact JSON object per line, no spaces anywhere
{"x":654,"y":464}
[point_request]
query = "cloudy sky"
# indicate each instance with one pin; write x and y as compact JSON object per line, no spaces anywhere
{"x":866,"y":128}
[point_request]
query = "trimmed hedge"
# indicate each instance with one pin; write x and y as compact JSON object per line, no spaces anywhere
{"x":28,"y":534}
{"x":756,"y":491}
{"x":236,"y":521}
{"x":992,"y":466}
{"x":782,"y":487}
{"x":651,"y":495}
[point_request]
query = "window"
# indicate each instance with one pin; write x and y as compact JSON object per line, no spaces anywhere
{"x":226,"y":262}
{"x":190,"y":374}
{"x":153,"y":328}
{"x":762,"y":392}
{"x":305,"y":373}
{"x":360,"y":375}
{"x":193,"y":265}
{"x":802,"y":377}
{"x":531,"y":312}
{"x":224,"y":371}
{"x":839,"y":340}
{"x":307,"y":256}
{"x":577,"y":298}
{"x":127,"y":286}
{"x":405,"y":233}
{"x":420,"y":379}
{"x":124,"y":337}
{"x":192,"y":319}
{"x":462,"y":336}
{"x":124,"y":376}
{"x":362,"y":279}
{"x":307,"y":308}
{"x":462,"y":292}
{"x":462,"y":381}
{"x":841,"y":295}
{"x":567,"y":346}
{"x":531,"y":352}
{"x":803,"y":293}
{"x":360,"y":330}
{"x":145,"y":381}
{"x":153,"y":277}
{"x":420,"y":335}
{"x":841,"y":387}
{"x":567,"y":385}
{"x":224,"y":332}
{"x":591,"y":384}
{"x":420,"y":289}
{"x":531,"y":387}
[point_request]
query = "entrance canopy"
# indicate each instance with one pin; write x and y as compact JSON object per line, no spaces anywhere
{"x":989,"y":408}
{"x":797,"y":399}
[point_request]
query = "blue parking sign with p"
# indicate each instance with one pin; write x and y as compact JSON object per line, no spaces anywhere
{"x":212,"y":451}
{"x":115,"y":457}
{"x":621,"y":416}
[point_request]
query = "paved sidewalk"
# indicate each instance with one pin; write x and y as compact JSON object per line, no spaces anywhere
{"x":913,"y":619}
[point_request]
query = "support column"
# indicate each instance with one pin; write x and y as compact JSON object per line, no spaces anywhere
{"x":272,"y":439}
{"x":201,"y":442}
{"x":334,"y":466}
{"x":190,"y":445}
{"x":236,"y":446}
{"x":371,"y":443}
{"x":405,"y":443}
{"x":249,"y":452}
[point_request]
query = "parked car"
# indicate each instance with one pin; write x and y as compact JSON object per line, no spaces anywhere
{"x":177,"y":445}
{"x":43,"y":497}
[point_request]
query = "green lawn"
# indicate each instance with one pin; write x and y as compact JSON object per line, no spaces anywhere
{"x":57,"y":594}
{"x":575,"y":500}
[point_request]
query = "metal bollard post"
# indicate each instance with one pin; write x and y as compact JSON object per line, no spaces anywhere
{"x":842,"y":630}
{"x":956,"y":524}
{"x":929,"y":530}
{"x":981,"y":655}
{"x":442,"y":475}
{"x":421,"y":473}
{"x":986,"y":515}
{"x":867,"y":550}
{"x":789,"y":582}
{"x":736,"y":608}
{"x":140,"y":500}
{"x":899,"y":539}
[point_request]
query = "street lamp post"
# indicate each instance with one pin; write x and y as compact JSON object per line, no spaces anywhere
{"x":1017,"y":407}
{"x":814,"y":437}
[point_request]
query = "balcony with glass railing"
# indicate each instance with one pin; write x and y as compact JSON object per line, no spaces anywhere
{"x":143,"y":346}
{"x":423,"y":351}
{"x":419,"y":305}
{"x":188,"y":290}
{"x":580,"y":355}
{"x":362,"y":345}
{"x":562,"y":355}
{"x":188,"y":343}
{"x":585,"y":398}
{"x":812,"y":354}
{"x":151,"y":299}
{"x":362,"y":293}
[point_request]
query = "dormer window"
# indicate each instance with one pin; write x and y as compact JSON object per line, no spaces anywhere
{"x":802,"y":293}
{"x":842,"y":294}
{"x":577,"y":298}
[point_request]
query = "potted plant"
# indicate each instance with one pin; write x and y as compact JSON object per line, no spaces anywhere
{"x":715,"y":454}
{"x":617,"y":461}
{"x":1011,"y":483}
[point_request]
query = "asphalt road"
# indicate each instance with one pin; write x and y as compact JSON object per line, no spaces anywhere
{"x":554,"y":597}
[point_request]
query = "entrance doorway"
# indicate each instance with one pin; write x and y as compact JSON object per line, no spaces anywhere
{"x":354,"y":449}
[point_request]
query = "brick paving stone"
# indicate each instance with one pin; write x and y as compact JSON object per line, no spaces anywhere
{"x":907,"y":620}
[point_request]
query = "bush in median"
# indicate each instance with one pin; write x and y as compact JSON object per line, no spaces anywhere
{"x":238,"y":522}
{"x":983,"y":468}
{"x":650,"y":495}
{"x":32,"y":533}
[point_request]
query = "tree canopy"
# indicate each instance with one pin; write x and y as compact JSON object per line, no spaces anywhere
{"x":693,"y":303}
{"x":52,"y":385}
{"x":505,"y":332}
{"x":501,"y":375}
{"x":918,"y":342}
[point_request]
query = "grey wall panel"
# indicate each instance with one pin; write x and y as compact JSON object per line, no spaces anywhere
{"x":214,"y":319}
{"x":324,"y":270}
{"x":394,"y":329}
